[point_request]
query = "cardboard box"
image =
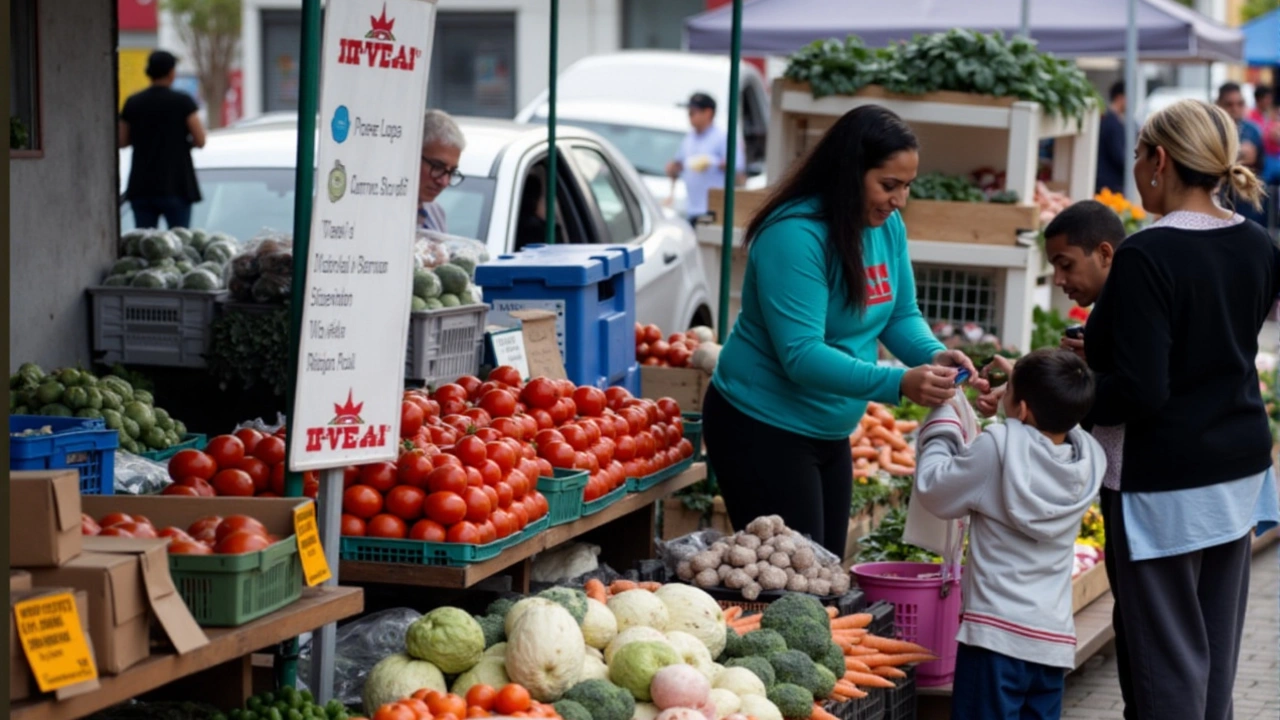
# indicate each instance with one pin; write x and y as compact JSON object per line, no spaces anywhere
{"x":22,"y":684}
{"x":19,"y":580}
{"x":128,"y":581}
{"x":686,"y":386}
{"x":44,"y":517}
{"x":180,"y":512}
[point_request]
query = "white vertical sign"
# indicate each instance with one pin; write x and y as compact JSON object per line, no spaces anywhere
{"x":355,"y":318}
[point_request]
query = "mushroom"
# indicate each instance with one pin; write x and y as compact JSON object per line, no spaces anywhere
{"x":736,"y":580}
{"x":752,"y":570}
{"x":706,"y":560}
{"x":761,"y":527}
{"x":839,"y":583}
{"x":764,"y":552}
{"x":820,"y":587}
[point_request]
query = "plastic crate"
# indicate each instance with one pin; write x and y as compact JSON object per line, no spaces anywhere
{"x":231,"y":590}
{"x":190,"y":441}
{"x":530,"y":530}
{"x":693,"y":433}
{"x":81,"y":444}
{"x":871,"y":707}
{"x":636,"y":485}
{"x":141,"y":326}
{"x":847,"y":604}
{"x":417,"y":552}
{"x":592,"y":291}
{"x":445,"y":344}
{"x":900,"y":702}
{"x":604,"y":501}
{"x":882,"y":615}
{"x":564,"y":495}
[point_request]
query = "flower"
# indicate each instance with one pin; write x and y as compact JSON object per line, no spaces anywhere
{"x":1078,"y":314}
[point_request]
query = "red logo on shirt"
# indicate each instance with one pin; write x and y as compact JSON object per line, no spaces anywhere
{"x":878,"y":288}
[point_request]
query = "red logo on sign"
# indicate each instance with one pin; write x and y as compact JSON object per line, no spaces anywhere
{"x":378,"y":47}
{"x":878,"y":288}
{"x":345,"y":430}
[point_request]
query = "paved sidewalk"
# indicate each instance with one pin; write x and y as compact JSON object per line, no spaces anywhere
{"x":1094,"y":694}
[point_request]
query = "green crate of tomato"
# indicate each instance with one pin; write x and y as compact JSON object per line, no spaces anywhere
{"x":564,"y":495}
{"x":418,"y":552}
{"x":693,"y":433}
{"x":592,"y":507}
{"x":636,"y":485}
{"x":193,"y":441}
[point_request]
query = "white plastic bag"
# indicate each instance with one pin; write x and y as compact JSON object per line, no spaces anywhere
{"x":926,"y":530}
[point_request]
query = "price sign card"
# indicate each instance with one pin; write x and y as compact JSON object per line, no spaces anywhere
{"x":315,"y":568}
{"x":54,"y":642}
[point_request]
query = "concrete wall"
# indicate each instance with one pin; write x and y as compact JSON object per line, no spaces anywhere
{"x":63,"y":219}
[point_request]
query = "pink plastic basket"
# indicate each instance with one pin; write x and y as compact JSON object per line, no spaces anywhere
{"x":923,"y":613}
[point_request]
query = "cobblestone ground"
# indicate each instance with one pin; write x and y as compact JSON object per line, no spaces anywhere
{"x":1094,"y":694}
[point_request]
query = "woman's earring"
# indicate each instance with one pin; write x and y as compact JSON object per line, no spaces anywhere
{"x":1153,"y":182}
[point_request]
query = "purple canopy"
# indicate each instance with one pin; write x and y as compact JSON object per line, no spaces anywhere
{"x":1070,"y":28}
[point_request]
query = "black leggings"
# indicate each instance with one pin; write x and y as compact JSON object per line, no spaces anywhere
{"x":765,"y":470}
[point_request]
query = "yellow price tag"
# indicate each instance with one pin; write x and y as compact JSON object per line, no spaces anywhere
{"x":315,"y":568}
{"x":53,"y":641}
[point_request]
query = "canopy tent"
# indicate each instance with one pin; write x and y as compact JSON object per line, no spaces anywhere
{"x":1262,"y":39}
{"x":1092,"y":28}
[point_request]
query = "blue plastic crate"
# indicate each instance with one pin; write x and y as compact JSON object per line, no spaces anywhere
{"x":81,"y":444}
{"x":592,"y":291}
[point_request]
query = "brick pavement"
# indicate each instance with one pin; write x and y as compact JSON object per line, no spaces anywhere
{"x":1093,"y":693}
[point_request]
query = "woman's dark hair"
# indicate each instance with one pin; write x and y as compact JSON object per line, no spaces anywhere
{"x":833,"y":174}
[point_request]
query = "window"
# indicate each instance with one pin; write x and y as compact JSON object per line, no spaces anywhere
{"x":473,"y":64}
{"x":618,"y":208}
{"x":24,"y":79}
{"x":957,"y":296}
{"x":656,"y":24}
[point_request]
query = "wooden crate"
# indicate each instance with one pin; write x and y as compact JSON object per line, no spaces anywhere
{"x":745,"y":204}
{"x":950,"y":97}
{"x":678,"y":520}
{"x":1088,"y":586}
{"x":965,"y":222}
{"x":686,"y":385}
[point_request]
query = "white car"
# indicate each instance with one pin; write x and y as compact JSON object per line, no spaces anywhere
{"x":247,"y":181}
{"x":636,"y":99}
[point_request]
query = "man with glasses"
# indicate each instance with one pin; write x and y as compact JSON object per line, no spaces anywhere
{"x":442,"y":146}
{"x":1231,"y":99}
{"x":702,"y":156}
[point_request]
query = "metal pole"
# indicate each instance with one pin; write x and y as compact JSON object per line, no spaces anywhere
{"x":1025,"y":30}
{"x":324,"y":640}
{"x":1131,"y":100}
{"x":730,"y":172}
{"x":551,"y":122}
{"x":304,"y":188}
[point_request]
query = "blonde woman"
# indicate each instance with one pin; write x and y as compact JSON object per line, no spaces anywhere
{"x":1173,"y":341}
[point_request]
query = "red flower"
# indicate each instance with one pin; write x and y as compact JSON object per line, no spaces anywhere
{"x":1078,"y":314}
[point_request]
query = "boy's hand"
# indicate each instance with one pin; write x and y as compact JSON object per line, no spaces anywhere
{"x":989,"y":403}
{"x":1075,"y":345}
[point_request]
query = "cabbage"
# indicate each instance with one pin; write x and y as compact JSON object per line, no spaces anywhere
{"x":519,"y":609}
{"x":545,"y":652}
{"x":725,"y":701}
{"x":634,"y":666}
{"x":759,"y":708}
{"x":693,"y":611}
{"x":600,"y":627}
{"x":639,"y":607}
{"x":448,"y":637}
{"x":489,"y":671}
{"x":397,"y":677}
{"x":631,"y":635}
{"x":739,"y":681}
{"x":593,"y":668}
{"x":693,"y":652}
{"x":645,"y":711}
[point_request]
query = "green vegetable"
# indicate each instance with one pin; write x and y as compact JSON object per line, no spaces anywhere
{"x":491,"y":671}
{"x":221,"y":251}
{"x":251,"y":350}
{"x":130,"y":429}
{"x":453,"y":279}
{"x":49,"y":392}
{"x":571,"y":599}
{"x":732,"y":645}
{"x":200,"y":279}
{"x":141,"y":413}
{"x":941,"y":186}
{"x":806,"y":635}
{"x":118,"y":280}
{"x":426,"y":284}
{"x":500,"y":607}
{"x":417,"y":304}
{"x":397,"y":677}
{"x":55,"y":410}
{"x":127,"y":264}
{"x":603,"y":700}
{"x":758,"y":665}
{"x":76,"y":398}
{"x":570,"y":710}
{"x":494,"y":629}
{"x":884,"y":544}
{"x":792,"y":701}
{"x":832,"y":659}
{"x":793,"y":606}
{"x":449,"y":300}
{"x":158,"y":245}
{"x":826,"y":682}
{"x":144,"y":396}
{"x":434,"y":304}
{"x":762,"y":643}
{"x":796,"y":668}
{"x":148,"y":279}
{"x":447,"y":637}
{"x":635,"y":664}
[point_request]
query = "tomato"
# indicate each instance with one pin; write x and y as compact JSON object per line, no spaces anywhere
{"x":192,"y":463}
{"x":446,"y":460}
{"x":545,"y":469}
{"x":529,"y":424}
{"x":386,"y":525}
{"x":512,"y":699}
{"x":446,"y":508}
{"x":639,"y":333}
{"x":498,"y":403}
{"x":541,"y":393}
{"x":205,"y":527}
{"x":89,"y":526}
{"x":180,"y":546}
{"x":520,"y":514}
{"x":575,"y":436}
{"x":202,"y":488}
{"x":547,"y":437}
{"x":559,"y":454}
{"x":419,"y":707}
{"x":443,"y":436}
{"x":475,"y":478}
{"x":250,"y":438}
{"x":413,"y":468}
{"x":394,"y":711}
{"x":411,"y":418}
{"x":487,"y":474}
{"x":686,"y":448}
{"x":115,"y":518}
{"x":405,"y":502}
{"x":465,"y":533}
{"x":488,"y":434}
{"x":542,"y":419}
{"x":452,"y":407}
{"x":258,"y":472}
{"x":226,"y":450}
{"x":528,"y":468}
{"x":616,"y":396}
{"x":678,"y":355}
{"x":481,"y":696}
{"x":469,"y":383}
{"x":450,"y":392}
{"x":509,"y":427}
{"x":241,"y":541}
{"x":175,"y":489}
{"x":519,"y":484}
{"x":645,"y":445}
{"x":668,"y":409}
{"x":603,"y":451}
{"x":505,"y":495}
{"x":362,"y":501}
{"x":544,"y":505}
{"x":352,"y":526}
{"x":659,"y":433}
{"x":478,"y":505}
{"x":636,"y":420}
{"x":470,"y":450}
{"x":625,"y":449}
{"x":590,"y":401}
{"x":447,"y":478}
{"x":238,"y":523}
{"x":380,"y":476}
{"x":563,"y":411}
{"x":642,"y":351}
{"x":448,"y":704}
{"x":427,"y":531}
{"x":479,"y":417}
{"x":137,"y":529}
{"x":233,"y":482}
{"x":507,"y":375}
{"x":115,"y":531}
{"x":502,"y":456}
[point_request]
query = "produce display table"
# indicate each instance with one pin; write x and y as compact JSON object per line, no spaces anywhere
{"x":631,"y":520}
{"x":224,"y":664}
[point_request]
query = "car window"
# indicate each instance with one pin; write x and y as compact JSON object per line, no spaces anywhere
{"x":467,"y":207}
{"x":648,"y":149}
{"x":617,"y":206}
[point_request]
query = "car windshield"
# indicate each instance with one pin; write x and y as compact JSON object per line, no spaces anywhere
{"x":246,"y":202}
{"x":648,"y":149}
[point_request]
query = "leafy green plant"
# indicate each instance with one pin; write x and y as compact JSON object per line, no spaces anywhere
{"x":868,"y":493}
{"x":19,"y":137}
{"x":884,"y":544}
{"x":1048,"y":329}
{"x":251,"y":349}
{"x":941,"y":186}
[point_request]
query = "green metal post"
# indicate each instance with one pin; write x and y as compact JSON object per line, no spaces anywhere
{"x":730,"y":173}
{"x":304,"y":189}
{"x":551,"y":122}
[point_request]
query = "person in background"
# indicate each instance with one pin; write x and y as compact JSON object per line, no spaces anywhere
{"x":702,"y":156}
{"x":1111,"y":143}
{"x":442,"y":146}
{"x":1231,"y":99}
{"x":1267,"y":118}
{"x":162,"y":125}
{"x":1264,"y":108}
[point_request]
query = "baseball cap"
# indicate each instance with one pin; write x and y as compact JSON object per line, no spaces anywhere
{"x":702,"y":101}
{"x":160,"y":63}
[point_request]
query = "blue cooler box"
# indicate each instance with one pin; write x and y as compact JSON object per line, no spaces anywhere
{"x":592,"y":291}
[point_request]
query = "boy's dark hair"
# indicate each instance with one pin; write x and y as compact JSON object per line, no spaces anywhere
{"x":1260,"y":93}
{"x":1227,"y":88}
{"x":1117,"y":89}
{"x":1057,"y":387}
{"x":1086,"y":225}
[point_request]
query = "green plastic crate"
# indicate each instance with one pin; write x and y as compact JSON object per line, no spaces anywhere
{"x":564,"y":495}
{"x":604,"y":501}
{"x":530,"y":530}
{"x":693,"y":433}
{"x":417,"y":552}
{"x":636,"y":485}
{"x":231,"y":590}
{"x":193,"y":441}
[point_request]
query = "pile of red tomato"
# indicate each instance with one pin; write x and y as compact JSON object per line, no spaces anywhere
{"x":232,"y":535}
{"x":675,"y":351}
{"x":246,"y":464}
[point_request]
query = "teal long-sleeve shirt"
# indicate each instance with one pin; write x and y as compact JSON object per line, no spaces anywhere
{"x":799,"y":357}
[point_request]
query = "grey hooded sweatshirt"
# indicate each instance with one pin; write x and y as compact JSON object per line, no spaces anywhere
{"x":1025,"y":498}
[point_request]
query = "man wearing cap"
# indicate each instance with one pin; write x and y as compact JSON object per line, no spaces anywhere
{"x":162,"y":125}
{"x":702,"y":156}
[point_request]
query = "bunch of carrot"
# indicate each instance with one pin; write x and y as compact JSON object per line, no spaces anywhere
{"x":597,"y":590}
{"x":870,"y":661}
{"x":739,"y":623}
{"x":879,"y":443}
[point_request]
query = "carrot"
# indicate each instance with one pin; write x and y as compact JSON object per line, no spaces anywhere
{"x":894,"y":441}
{"x":858,"y":651}
{"x":857,"y":436}
{"x":887,"y":671}
{"x":848,"y":688}
{"x":832,"y":612}
{"x":596,"y":590}
{"x":820,"y":714}
{"x":865,"y":453}
{"x":857,"y":665}
{"x":620,"y":586}
{"x":874,"y":661}
{"x":856,"y":620}
{"x":869,"y":422}
{"x":894,"y":647}
{"x":732,"y":613}
{"x":900,"y":470}
{"x":860,"y":463}
{"x":901,"y":457}
{"x":651,"y":586}
{"x":906,"y":426}
{"x":885,"y":457}
{"x":745,"y":626}
{"x":848,"y":634}
{"x":867,"y":679}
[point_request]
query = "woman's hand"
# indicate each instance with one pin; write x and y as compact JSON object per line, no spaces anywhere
{"x":929,"y":385}
{"x":957,"y":359}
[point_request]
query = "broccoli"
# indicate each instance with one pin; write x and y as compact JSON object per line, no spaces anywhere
{"x":732,"y":645}
{"x":570,"y":710}
{"x":792,"y":701}
{"x":805,"y":635}
{"x":832,"y":659}
{"x":603,"y":700}
{"x":791,"y":607}
{"x":501,"y":607}
{"x":763,"y":643}
{"x":571,"y":599}
{"x":757,"y":665}
{"x":826,"y":682}
{"x":796,"y":668}
{"x":494,"y":629}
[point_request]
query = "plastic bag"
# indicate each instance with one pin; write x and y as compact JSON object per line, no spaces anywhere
{"x":271,"y":288}
{"x":673,"y":552}
{"x":136,"y":475}
{"x":926,"y":530}
{"x":429,"y":251}
{"x":567,"y":561}
{"x":358,"y":647}
{"x":261,"y":425}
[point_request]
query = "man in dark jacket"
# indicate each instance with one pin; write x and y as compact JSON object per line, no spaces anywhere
{"x":1111,"y":143}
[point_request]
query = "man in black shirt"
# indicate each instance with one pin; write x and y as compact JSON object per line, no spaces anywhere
{"x":162,"y":125}
{"x":1111,"y":143}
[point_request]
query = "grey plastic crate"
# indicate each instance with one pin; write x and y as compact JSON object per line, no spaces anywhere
{"x":445,"y":344}
{"x":144,"y":326}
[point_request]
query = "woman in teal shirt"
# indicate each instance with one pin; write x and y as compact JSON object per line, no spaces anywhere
{"x":828,"y":278}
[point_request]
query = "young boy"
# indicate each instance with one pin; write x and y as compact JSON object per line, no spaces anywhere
{"x":1025,"y":485}
{"x":1080,"y":244}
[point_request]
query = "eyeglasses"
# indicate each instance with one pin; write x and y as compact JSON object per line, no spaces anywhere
{"x":440,"y":170}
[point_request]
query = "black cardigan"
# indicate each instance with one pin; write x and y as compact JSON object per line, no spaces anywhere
{"x":1173,"y":342}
